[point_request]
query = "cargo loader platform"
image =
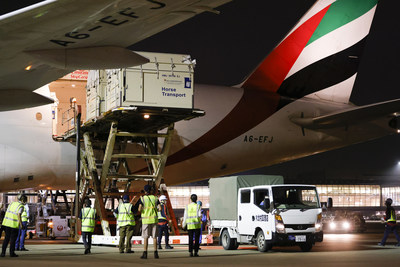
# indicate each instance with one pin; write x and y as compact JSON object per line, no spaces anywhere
{"x":125,"y":140}
{"x":120,"y":138}
{"x":134,"y":119}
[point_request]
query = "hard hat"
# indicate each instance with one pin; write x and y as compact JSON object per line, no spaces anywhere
{"x":163,"y":197}
{"x":125,"y":198}
{"x":199,"y":203}
{"x":147,"y":188}
{"x":388,"y":201}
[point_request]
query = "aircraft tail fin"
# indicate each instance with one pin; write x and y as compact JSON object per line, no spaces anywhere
{"x":320,"y":56}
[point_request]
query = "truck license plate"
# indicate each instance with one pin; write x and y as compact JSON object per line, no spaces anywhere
{"x":301,"y":238}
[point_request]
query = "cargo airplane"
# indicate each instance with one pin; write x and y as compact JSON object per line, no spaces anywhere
{"x":294,"y":104}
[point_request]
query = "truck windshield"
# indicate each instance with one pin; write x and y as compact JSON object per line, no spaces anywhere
{"x":295,"y":197}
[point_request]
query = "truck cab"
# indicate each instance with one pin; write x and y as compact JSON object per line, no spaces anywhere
{"x":274,"y":215}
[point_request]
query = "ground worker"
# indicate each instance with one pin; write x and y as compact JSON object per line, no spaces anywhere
{"x":192,"y":222}
{"x":390,"y":221}
{"x":11,"y":222}
{"x":126,"y":223}
{"x":149,"y":207}
{"x":20,"y":242}
{"x":203,"y":221}
{"x":88,"y":217}
{"x":163,"y":220}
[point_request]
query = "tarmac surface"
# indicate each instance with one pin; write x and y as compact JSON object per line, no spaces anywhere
{"x":358,"y":249}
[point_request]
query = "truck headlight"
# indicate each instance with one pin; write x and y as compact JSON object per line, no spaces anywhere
{"x":279,"y":225}
{"x":318,"y":227}
{"x":346,"y":225}
{"x":332,"y":225}
{"x":318,"y":224}
{"x":280,"y":228}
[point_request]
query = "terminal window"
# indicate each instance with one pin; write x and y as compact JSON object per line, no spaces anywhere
{"x":351,"y":195}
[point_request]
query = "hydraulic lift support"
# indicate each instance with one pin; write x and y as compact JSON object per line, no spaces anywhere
{"x":112,"y":144}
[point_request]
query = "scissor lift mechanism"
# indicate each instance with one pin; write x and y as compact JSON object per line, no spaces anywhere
{"x":104,"y":169}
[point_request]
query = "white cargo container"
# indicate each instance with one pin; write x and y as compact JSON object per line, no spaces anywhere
{"x":166,"y":81}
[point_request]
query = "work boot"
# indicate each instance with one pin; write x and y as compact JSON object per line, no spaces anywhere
{"x":195,"y":254}
{"x":13,"y":255}
{"x":3,"y":255}
{"x":24,"y":249}
{"x":121,"y":251}
{"x":156,"y":255}
{"x":191,"y":254}
{"x":130,"y":251}
{"x":159,"y":246}
{"x":168,"y":246}
{"x":144,"y":256}
{"x":381,"y":245}
{"x":86,"y":251}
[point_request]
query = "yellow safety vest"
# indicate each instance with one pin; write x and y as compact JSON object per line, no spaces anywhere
{"x":125,"y":215}
{"x":88,"y":219}
{"x":193,"y":221}
{"x":11,"y":216}
{"x":149,"y":211}
{"x":159,"y":213}
{"x":24,"y":216}
{"x":392,"y":217}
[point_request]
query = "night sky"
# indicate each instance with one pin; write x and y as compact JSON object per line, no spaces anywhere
{"x":228,"y":46}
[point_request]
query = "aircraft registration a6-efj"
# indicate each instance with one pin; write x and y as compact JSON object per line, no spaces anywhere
{"x":294,"y":104}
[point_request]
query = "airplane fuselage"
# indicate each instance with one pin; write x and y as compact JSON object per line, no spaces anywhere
{"x":201,"y":148}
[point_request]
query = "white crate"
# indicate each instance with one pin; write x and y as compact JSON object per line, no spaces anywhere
{"x":166,"y":81}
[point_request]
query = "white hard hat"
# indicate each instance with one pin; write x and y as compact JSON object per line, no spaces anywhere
{"x":163,"y":197}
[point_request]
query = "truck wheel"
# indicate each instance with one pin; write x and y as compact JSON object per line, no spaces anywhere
{"x":227,"y":242}
{"x":236,"y":244}
{"x":262,"y":244}
{"x":306,"y":247}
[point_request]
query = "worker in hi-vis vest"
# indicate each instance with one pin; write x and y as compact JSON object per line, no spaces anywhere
{"x":163,"y":221}
{"x":11,"y":223}
{"x":149,"y":207}
{"x":390,"y":221}
{"x":126,"y":222}
{"x":88,"y":218}
{"x":192,"y":222}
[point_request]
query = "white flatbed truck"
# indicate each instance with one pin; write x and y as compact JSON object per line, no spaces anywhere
{"x":261,"y":210}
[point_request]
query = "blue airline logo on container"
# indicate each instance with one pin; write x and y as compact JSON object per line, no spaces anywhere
{"x":188,"y":82}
